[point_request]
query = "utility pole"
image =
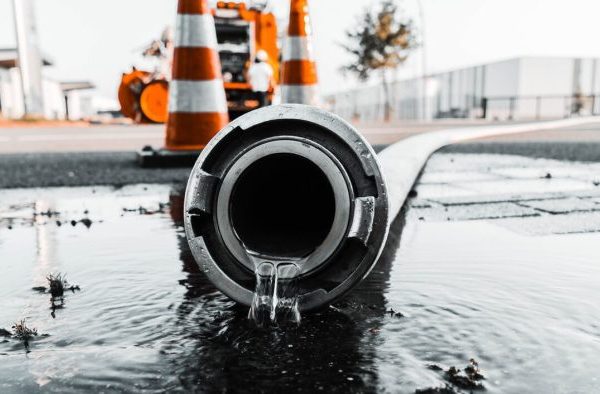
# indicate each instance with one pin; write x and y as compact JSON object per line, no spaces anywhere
{"x":30,"y":59}
{"x":423,"y":63}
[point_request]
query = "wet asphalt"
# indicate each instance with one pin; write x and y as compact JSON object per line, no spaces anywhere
{"x":587,"y":151}
{"x":81,"y":169}
{"x":121,"y":168}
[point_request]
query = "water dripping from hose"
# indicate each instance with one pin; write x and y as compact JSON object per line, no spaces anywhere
{"x":275,"y":300}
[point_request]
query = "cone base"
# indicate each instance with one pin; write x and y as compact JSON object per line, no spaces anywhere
{"x":148,"y":157}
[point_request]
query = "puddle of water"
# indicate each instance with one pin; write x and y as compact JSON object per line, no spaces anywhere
{"x":525,"y":307}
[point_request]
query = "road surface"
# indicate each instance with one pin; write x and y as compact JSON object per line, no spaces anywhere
{"x":122,"y":138}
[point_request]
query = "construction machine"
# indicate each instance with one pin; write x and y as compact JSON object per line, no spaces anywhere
{"x":241,"y":32}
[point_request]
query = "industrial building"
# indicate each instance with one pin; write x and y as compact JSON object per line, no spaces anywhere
{"x":519,"y":88}
{"x":60,"y":100}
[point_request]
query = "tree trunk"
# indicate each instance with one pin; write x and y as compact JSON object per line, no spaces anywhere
{"x":387,"y":108}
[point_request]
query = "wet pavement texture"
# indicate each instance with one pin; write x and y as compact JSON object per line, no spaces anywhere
{"x":81,"y":169}
{"x":482,"y":266}
{"x":525,"y":195}
{"x":572,"y":149}
{"x":118,"y":168}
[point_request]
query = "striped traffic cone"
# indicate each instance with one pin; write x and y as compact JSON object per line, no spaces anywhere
{"x":197,"y":102}
{"x":299,"y":74}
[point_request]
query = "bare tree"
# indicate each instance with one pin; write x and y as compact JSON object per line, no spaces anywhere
{"x":381,"y":41}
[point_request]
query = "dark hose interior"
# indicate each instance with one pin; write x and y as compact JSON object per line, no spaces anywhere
{"x":282,"y":205}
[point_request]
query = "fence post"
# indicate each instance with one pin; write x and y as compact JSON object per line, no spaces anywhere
{"x":511,"y":109}
{"x":484,"y":107}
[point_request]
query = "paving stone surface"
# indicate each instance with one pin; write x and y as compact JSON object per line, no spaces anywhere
{"x":528,"y":195}
{"x":466,"y":176}
{"x":474,"y":212}
{"x":563,"y":205}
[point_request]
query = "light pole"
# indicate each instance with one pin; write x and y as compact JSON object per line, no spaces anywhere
{"x":423,"y":62}
{"x":30,"y":60}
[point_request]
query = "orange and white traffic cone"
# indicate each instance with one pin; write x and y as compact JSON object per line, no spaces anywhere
{"x":299,"y":80}
{"x":197,"y":102}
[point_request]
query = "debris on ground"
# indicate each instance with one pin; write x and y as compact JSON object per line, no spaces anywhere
{"x":393,"y":313}
{"x":472,"y":370}
{"x":49,"y":213}
{"x":468,"y":378}
{"x":87,"y":222}
{"x":547,"y":176}
{"x":24,"y":333}
{"x":58,"y":284}
{"x":435,"y":367}
{"x":447,"y":389}
{"x":5,"y":333}
{"x":162,"y":208}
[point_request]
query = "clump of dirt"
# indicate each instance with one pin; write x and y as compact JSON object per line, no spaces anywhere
{"x":57,"y":285}
{"x":393,"y":313}
{"x":447,"y":389}
{"x":469,"y":378}
{"x":435,"y":367}
{"x":23,"y":333}
{"x":49,"y":213}
{"x":162,"y":208}
{"x":87,"y":222}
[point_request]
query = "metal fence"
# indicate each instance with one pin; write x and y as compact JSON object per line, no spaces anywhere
{"x":471,"y":107}
{"x":538,"y":107}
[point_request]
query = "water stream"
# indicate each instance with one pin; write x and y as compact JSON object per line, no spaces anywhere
{"x":275,"y":299}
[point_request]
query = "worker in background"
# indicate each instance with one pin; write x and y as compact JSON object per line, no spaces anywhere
{"x":162,"y":50}
{"x":260,"y":75}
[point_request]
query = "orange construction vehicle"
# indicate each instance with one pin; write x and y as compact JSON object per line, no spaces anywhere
{"x":241,"y":33}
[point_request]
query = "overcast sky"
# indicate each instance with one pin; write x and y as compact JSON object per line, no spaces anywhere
{"x":97,"y":40}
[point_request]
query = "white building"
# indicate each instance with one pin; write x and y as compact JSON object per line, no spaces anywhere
{"x":59,"y":99}
{"x":520,"y":88}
